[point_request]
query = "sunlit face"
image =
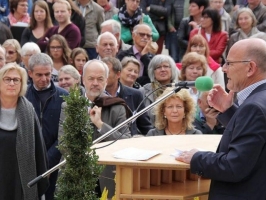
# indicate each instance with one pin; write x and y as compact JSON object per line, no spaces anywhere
{"x":107,"y":47}
{"x":142,"y":35}
{"x":56,"y":50}
{"x":12,"y":88}
{"x":206,"y":22}
{"x":66,"y":81}
{"x":193,"y":71}
{"x":217,"y":4}
{"x":61,"y":13}
{"x":174,"y":110}
{"x":11,"y":54}
{"x":41,"y":76}
{"x":22,"y":8}
{"x":2,"y":58}
{"x":39,"y":14}
{"x":94,"y":80}
{"x":245,"y":21}
{"x":79,"y":61}
{"x":194,"y":9}
{"x":163,"y":73}
{"x":198,"y":48}
{"x":129,"y":74}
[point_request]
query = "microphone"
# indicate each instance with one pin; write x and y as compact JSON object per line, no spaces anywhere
{"x":202,"y":83}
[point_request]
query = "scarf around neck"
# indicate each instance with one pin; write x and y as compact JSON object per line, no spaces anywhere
{"x":126,"y":19}
{"x":13,"y":20}
{"x":243,"y":35}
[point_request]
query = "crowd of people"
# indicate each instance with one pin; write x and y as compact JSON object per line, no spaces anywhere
{"x":112,"y":49}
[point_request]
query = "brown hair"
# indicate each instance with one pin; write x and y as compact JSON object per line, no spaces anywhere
{"x":76,"y":52}
{"x":196,"y":40}
{"x":13,"y":5}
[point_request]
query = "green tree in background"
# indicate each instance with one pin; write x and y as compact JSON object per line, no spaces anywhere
{"x":78,"y":179}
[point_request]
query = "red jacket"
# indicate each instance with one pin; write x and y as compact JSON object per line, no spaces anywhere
{"x":217,"y":43}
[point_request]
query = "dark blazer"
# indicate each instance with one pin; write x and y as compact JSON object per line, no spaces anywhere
{"x":145,"y":59}
{"x":238,"y":168}
{"x":133,"y":98}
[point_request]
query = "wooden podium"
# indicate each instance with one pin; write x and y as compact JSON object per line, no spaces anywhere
{"x":161,"y":177}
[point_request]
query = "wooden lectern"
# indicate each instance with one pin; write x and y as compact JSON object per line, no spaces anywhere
{"x":161,"y":177}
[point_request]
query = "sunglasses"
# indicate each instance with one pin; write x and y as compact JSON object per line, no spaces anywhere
{"x":11,"y":52}
{"x":144,"y":34}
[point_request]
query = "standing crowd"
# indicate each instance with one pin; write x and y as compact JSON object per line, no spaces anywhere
{"x":112,"y":51}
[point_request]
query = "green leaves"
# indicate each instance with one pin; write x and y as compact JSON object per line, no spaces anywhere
{"x":78,"y":179}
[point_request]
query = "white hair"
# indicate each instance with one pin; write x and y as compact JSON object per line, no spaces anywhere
{"x":30,"y":47}
{"x":106,"y":34}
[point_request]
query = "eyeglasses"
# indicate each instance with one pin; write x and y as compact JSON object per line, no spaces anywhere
{"x":144,"y":34}
{"x":28,"y":55}
{"x":217,"y":2}
{"x":228,"y":63}
{"x":7,"y":80}
{"x":11,"y":52}
{"x":135,"y":1}
{"x":173,"y":107}
{"x":205,"y":17}
{"x":23,"y":5}
{"x":56,"y":48}
{"x":162,"y":67}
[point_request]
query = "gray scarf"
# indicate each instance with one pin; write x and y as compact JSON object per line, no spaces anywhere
{"x":243,"y":35}
{"x":25,"y":147}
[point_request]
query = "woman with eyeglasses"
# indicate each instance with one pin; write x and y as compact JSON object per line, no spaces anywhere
{"x":18,"y":13}
{"x":40,"y":22}
{"x":161,"y":71}
{"x":58,"y":50}
{"x":13,"y":50}
{"x":2,"y":56}
{"x":199,"y":45}
{"x":23,"y":154}
{"x":174,"y":115}
{"x":194,"y":65}
{"x":211,"y":30}
{"x":245,"y":27}
{"x":130,"y":72}
{"x":130,"y":15}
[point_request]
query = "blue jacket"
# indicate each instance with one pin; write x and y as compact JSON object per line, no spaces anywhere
{"x":49,"y":119}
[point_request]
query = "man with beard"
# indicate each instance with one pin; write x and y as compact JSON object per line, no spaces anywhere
{"x":143,"y":50}
{"x":106,"y":45}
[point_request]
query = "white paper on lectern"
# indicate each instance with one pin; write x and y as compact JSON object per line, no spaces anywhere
{"x":132,"y":153}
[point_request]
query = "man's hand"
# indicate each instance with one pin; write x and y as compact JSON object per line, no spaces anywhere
{"x":186,"y":156}
{"x":95,"y":116}
{"x":219,"y":99}
{"x":151,"y":47}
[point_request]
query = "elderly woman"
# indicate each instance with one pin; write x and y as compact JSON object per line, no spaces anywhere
{"x":27,"y":50}
{"x":2,"y":56}
{"x":161,"y":71}
{"x":175,"y":115}
{"x":23,"y":156}
{"x":193,"y":66}
{"x":13,"y":50}
{"x":130,"y":72}
{"x":246,"y":27}
{"x":18,"y":13}
{"x":69,"y":77}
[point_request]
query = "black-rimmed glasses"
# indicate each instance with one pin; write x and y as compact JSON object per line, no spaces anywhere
{"x":7,"y":80}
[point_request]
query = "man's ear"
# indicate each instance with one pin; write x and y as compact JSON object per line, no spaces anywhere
{"x":252,"y":68}
{"x":30,"y":73}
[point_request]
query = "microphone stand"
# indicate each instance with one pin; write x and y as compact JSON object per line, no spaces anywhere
{"x":37,"y":179}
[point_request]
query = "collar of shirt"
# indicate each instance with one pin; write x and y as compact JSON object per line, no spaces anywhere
{"x":243,"y":94}
{"x":43,"y":88}
{"x":137,"y":55}
{"x":117,"y":92}
{"x":84,"y":8}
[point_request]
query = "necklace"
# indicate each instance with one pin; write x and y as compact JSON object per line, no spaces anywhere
{"x":172,"y":133}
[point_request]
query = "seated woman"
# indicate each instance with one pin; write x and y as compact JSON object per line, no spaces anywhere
{"x":18,"y":13}
{"x":246,"y":27}
{"x":175,"y":115}
{"x":131,"y":15}
{"x":193,"y":66}
{"x":40,"y":22}
{"x":69,"y":77}
{"x":58,"y":50}
{"x":13,"y":50}
{"x":198,"y":44}
{"x":78,"y":58}
{"x":211,"y":30}
{"x":161,"y":71}
{"x":130,"y":72}
{"x":2,"y":56}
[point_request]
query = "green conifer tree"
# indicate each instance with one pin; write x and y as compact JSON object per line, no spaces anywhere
{"x":78,"y":179}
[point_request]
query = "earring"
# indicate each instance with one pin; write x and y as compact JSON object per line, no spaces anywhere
{"x":164,"y":116}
